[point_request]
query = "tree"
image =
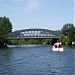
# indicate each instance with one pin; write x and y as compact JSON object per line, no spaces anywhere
{"x":68,"y":31}
{"x":66,"y":27}
{"x":71,"y":33}
{"x":5,"y":26}
{"x":68,"y":40}
{"x":62,"y":39}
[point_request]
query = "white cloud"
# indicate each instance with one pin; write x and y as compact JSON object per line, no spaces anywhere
{"x":32,"y":5}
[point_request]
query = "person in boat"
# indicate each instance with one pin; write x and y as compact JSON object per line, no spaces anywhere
{"x":57,"y":44}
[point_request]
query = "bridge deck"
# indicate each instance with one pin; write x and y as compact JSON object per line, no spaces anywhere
{"x":31,"y":37}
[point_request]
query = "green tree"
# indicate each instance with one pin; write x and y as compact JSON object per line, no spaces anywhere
{"x":66,"y":27}
{"x":68,"y":31}
{"x":68,"y":40}
{"x":5,"y":26}
{"x":71,"y":33}
{"x":62,"y":39}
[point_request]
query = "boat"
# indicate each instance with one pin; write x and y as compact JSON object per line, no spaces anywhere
{"x":58,"y":49}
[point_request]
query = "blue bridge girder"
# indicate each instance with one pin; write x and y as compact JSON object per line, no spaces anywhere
{"x":33,"y":33}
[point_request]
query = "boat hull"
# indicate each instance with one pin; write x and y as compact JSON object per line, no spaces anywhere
{"x":57,"y":49}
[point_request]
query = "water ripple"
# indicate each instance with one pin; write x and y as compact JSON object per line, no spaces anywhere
{"x":36,"y":60}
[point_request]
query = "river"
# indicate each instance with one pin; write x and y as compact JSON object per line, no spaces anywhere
{"x":36,"y":60}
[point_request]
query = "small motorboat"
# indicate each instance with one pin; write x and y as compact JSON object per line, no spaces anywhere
{"x":58,"y":49}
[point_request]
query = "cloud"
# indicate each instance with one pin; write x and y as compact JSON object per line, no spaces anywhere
{"x":32,"y":5}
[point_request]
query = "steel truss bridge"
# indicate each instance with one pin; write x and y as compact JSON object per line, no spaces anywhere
{"x":33,"y":33}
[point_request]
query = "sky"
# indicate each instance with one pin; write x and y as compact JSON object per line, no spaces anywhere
{"x":45,"y":14}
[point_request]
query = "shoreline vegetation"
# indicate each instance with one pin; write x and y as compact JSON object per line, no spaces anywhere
{"x":67,"y":37}
{"x":30,"y":41}
{"x":36,"y":41}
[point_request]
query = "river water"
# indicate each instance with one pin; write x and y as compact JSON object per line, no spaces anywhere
{"x":36,"y":60}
